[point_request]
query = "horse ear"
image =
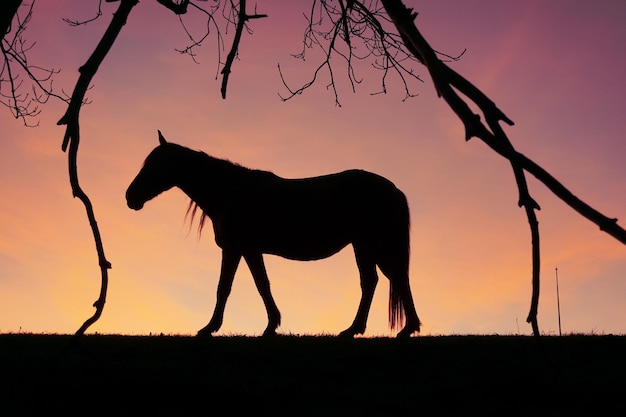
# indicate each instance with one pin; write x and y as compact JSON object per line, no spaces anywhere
{"x":162,"y":140}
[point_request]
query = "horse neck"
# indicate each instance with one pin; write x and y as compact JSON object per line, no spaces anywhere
{"x":208,"y":181}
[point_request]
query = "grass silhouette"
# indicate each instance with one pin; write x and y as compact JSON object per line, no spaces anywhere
{"x":311,"y":376}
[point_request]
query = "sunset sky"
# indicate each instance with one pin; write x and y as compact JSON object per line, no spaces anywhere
{"x":555,"y":67}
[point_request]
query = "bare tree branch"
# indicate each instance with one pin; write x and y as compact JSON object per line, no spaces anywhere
{"x":176,"y":7}
{"x":444,"y":79}
{"x":233,"y":13}
{"x":353,"y":30}
{"x":15,"y":67}
{"x":86,"y":21}
{"x":72,"y":140}
{"x":241,"y":23}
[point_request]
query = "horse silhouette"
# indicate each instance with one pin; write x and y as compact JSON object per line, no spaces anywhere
{"x":257,"y":212}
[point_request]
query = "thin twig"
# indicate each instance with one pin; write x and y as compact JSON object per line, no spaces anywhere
{"x":353,"y":31}
{"x":86,"y":21}
{"x":15,"y":68}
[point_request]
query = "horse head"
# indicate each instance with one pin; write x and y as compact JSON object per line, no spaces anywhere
{"x":154,"y":177}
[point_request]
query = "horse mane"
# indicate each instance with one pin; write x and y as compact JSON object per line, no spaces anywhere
{"x":192,"y":208}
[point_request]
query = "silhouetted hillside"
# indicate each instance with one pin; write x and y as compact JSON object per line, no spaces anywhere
{"x":311,"y":376}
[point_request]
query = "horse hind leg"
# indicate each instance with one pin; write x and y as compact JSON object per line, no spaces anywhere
{"x":400,"y":299}
{"x":369,"y":278}
{"x":403,"y":293}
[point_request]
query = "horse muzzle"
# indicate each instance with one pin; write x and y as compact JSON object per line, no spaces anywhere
{"x":135,"y":205}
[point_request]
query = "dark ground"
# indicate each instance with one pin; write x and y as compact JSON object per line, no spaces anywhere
{"x":312,"y":376}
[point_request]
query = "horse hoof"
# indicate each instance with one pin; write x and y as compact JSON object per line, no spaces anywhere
{"x":346,"y":334}
{"x":269,"y":333}
{"x":405,"y":333}
{"x":204,"y":333}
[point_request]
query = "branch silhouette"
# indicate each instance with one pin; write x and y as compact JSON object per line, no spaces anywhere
{"x":241,"y":23}
{"x":15,"y":68}
{"x":71,"y":142}
{"x":352,"y":31}
{"x":444,"y":79}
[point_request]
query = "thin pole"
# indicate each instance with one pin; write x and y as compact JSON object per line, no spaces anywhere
{"x":558,"y":302}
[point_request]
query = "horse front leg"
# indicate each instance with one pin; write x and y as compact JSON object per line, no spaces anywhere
{"x":257,"y":268}
{"x":230,"y":261}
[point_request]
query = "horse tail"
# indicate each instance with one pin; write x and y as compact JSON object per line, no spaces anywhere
{"x":397,"y":289}
{"x":396,"y":309}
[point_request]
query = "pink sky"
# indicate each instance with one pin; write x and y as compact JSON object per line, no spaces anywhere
{"x":554,"y":67}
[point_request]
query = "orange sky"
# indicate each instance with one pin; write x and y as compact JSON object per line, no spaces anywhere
{"x":554,"y":67}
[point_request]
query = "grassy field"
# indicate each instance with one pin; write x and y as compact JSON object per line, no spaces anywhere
{"x":312,"y":376}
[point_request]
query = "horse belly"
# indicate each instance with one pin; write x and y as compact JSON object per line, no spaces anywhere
{"x":303,"y":241}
